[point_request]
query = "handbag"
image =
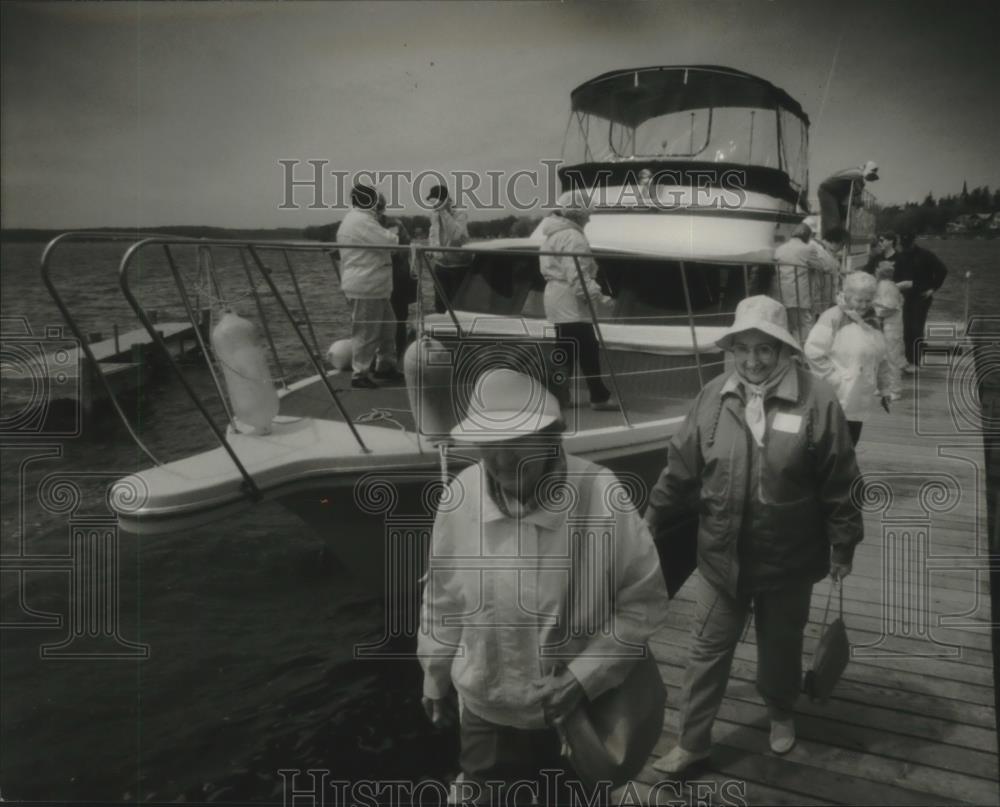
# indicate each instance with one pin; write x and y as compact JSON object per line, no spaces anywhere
{"x":610,"y":738}
{"x":831,"y":656}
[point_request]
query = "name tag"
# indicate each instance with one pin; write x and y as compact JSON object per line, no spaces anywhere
{"x":784,"y":422}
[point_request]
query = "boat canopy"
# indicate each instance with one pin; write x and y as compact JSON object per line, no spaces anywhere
{"x":631,"y":97}
{"x":690,"y":115}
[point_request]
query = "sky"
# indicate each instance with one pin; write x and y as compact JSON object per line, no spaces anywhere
{"x":145,"y":114}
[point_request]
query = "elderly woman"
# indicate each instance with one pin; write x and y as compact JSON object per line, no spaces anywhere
{"x":847,"y":348}
{"x":516,"y":537}
{"x":766,"y":452}
{"x":566,"y":297}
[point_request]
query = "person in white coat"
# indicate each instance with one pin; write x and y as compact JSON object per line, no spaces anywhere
{"x":847,"y":348}
{"x":566,"y":297}
{"x":366,"y":280}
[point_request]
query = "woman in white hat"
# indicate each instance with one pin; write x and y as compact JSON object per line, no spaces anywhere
{"x":505,"y":621}
{"x":766,"y":452}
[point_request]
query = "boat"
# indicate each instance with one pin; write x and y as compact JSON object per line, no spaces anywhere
{"x":693,"y":174}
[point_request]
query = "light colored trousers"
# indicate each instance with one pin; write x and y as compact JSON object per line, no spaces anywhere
{"x":780,"y":618}
{"x":892,"y":329}
{"x":373,"y":334}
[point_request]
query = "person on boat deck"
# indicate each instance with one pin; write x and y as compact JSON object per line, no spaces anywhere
{"x":919,"y":273}
{"x":510,"y":543}
{"x":566,"y":298}
{"x":448,"y":229}
{"x":404,"y":286}
{"x":841,"y":190}
{"x":827,"y":254}
{"x":766,"y":453}
{"x":366,"y":280}
{"x":847,"y":348}
{"x":800,"y":280}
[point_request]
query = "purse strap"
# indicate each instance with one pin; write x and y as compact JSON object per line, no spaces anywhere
{"x":840,"y":585}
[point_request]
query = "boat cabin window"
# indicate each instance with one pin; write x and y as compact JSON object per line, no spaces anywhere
{"x":644,"y":292}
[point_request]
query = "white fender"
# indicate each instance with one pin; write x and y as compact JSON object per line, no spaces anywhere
{"x":251,"y":391}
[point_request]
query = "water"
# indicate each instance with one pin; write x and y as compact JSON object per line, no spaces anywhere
{"x":250,"y":624}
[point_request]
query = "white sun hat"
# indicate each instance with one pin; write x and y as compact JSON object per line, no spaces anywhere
{"x":759,"y":313}
{"x":505,"y":405}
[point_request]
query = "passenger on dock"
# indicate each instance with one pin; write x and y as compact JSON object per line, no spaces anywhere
{"x":566,"y":298}
{"x":889,"y":308}
{"x":404,"y":286}
{"x":448,"y":229}
{"x":847,"y":348}
{"x":800,"y":280}
{"x":766,"y":456}
{"x":366,"y":280}
{"x":827,"y":254}
{"x":500,"y":621}
{"x":885,"y":249}
{"x":919,"y":273}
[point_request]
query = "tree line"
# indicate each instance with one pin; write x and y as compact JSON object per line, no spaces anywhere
{"x":933,"y":216}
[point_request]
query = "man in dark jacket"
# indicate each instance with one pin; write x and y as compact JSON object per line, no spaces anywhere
{"x":767,"y":454}
{"x":919,"y":273}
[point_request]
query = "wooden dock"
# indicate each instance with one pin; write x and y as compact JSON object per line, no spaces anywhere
{"x":913,"y":719}
{"x":127,"y":362}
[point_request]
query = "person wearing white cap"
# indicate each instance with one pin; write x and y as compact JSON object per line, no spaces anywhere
{"x":766,"y":453}
{"x":502,"y":621}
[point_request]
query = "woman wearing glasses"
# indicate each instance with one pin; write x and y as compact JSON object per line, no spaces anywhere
{"x":766,"y":454}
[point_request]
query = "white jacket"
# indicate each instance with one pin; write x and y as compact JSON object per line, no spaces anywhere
{"x":564,"y":296}
{"x":803,"y":278}
{"x":496,"y":594}
{"x":365,"y":274}
{"x":853,"y":356}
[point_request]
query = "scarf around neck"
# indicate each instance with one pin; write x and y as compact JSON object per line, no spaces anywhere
{"x":511,"y":506}
{"x":753,"y":412}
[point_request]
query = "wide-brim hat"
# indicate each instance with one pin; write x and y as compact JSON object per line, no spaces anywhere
{"x":610,"y":738}
{"x":506,"y":405}
{"x":759,"y":313}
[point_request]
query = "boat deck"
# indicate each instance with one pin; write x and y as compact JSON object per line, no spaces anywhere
{"x":912,"y":721}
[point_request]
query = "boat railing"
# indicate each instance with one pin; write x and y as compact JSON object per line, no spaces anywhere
{"x":258,"y":263}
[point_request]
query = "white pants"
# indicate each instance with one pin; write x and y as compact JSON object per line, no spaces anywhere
{"x":373,"y":335}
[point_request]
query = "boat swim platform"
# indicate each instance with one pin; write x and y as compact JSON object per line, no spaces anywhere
{"x":913,"y":719}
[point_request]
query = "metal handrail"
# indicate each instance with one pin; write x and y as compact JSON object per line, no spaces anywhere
{"x":249,"y":486}
{"x":420,"y":263}
{"x":45,"y":272}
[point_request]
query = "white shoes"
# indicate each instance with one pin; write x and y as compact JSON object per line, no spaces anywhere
{"x":782,"y":735}
{"x":679,"y":760}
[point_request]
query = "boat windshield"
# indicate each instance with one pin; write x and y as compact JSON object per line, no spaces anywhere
{"x":687,"y":114}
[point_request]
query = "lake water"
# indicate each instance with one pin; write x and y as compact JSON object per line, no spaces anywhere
{"x":249,"y":624}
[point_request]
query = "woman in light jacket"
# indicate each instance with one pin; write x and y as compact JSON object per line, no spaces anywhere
{"x":847,"y":348}
{"x":565,"y":298}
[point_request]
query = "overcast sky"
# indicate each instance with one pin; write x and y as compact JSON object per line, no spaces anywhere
{"x":148,"y":114}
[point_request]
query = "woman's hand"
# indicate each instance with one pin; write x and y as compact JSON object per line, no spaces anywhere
{"x":838,"y":571}
{"x":559,"y":695}
{"x":440,"y":712}
{"x":904,"y":285}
